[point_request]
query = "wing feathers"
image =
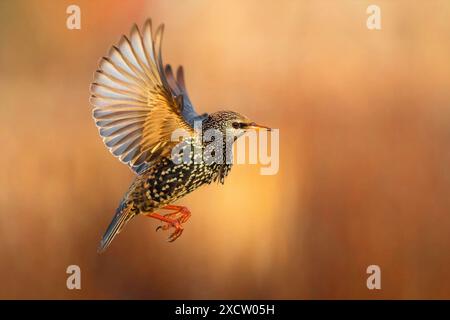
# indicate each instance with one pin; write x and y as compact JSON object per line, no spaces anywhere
{"x":180,"y":78}
{"x":135,"y":99}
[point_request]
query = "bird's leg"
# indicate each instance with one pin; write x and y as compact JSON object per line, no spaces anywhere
{"x":169,"y":223}
{"x":181,"y":213}
{"x":174,"y":219}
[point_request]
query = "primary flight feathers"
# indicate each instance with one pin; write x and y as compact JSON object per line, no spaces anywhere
{"x":137,"y":101}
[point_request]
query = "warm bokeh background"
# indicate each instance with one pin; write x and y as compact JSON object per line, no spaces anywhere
{"x":364,"y":178}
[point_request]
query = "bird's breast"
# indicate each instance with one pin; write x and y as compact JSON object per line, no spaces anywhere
{"x":166,"y":181}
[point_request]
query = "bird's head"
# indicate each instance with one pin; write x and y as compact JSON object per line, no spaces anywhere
{"x":231,"y":122}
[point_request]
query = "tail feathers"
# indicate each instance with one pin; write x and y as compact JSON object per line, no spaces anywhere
{"x":123,"y":214}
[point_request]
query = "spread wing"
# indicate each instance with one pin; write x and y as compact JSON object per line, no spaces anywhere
{"x":178,"y":87}
{"x":137,"y":102}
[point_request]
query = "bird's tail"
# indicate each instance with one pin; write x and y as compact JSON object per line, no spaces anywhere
{"x":122,"y":216}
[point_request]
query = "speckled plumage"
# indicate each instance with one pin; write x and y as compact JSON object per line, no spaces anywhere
{"x":166,"y":181}
{"x":138,"y":104}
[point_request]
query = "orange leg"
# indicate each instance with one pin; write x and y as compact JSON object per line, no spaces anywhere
{"x":182,"y":213}
{"x":173,"y":219}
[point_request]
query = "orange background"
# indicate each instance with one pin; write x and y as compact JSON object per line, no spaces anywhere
{"x":364,"y":176}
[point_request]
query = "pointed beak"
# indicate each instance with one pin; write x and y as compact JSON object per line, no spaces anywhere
{"x":257,"y":126}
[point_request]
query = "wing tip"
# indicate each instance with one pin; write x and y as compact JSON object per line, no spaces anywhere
{"x":148,"y":22}
{"x":159,"y":32}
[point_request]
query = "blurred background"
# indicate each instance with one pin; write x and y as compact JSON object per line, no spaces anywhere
{"x":364,"y":119}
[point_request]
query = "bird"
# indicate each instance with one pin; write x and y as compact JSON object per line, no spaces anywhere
{"x":138,"y":102}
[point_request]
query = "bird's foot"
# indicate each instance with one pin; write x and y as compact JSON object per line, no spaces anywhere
{"x":172,"y":220}
{"x":174,"y":235}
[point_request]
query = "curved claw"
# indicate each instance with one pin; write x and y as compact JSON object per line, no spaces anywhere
{"x":174,"y":236}
{"x":172,"y":220}
{"x":163,"y":227}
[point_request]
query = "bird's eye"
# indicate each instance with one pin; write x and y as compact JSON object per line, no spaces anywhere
{"x":236,"y":125}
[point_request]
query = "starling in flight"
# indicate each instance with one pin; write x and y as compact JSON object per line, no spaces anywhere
{"x":138,"y":103}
